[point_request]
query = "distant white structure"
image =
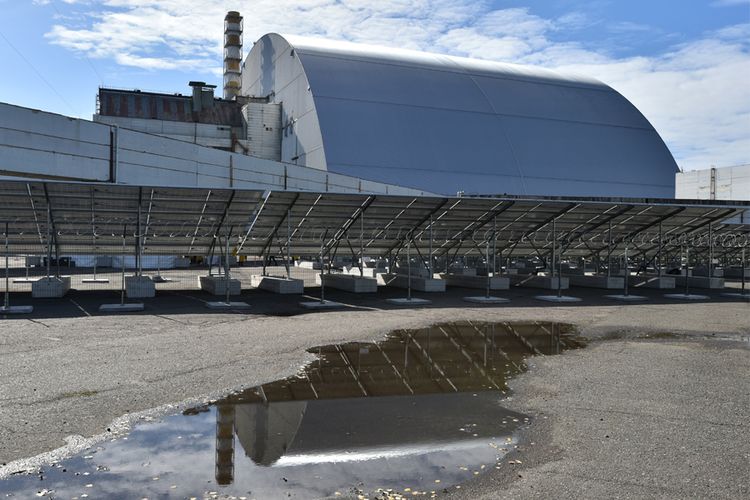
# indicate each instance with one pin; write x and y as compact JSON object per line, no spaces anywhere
{"x":447,"y":124}
{"x":727,"y":183}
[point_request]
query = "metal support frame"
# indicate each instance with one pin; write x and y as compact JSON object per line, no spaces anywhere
{"x":288,"y":243}
{"x":343,"y":231}
{"x":6,"y":300}
{"x":223,"y":218}
{"x":200,"y":221}
{"x":459,"y":237}
{"x":226,"y":265}
{"x":269,"y":241}
{"x":138,"y":237}
{"x":689,"y":232}
{"x":251,"y":226}
{"x":122,"y":266}
{"x":400,"y":242}
{"x":51,"y":224}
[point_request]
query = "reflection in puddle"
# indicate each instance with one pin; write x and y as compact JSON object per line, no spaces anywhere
{"x":417,"y":413}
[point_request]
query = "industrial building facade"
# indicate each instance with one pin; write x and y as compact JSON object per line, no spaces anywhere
{"x":446,"y":124}
{"x":346,"y":158}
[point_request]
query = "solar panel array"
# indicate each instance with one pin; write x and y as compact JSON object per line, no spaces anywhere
{"x":91,"y":218}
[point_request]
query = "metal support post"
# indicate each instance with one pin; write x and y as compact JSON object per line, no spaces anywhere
{"x":710,"y":251}
{"x":7,"y":281}
{"x":138,"y":239}
{"x":408,"y":267}
{"x":288,"y":244}
{"x":226,"y":265}
{"x":122,"y":267}
{"x":487,"y":291}
{"x":556,"y":255}
{"x":431,"y":270}
{"x":627,"y":270}
{"x":96,"y":259}
{"x":494,"y":246}
{"x":362,"y":244}
{"x":687,"y":269}
{"x":554,"y":245}
{"x":742,"y":270}
{"x":658,"y":255}
{"x":609,"y":251}
{"x":322,"y":277}
{"x":49,"y":245}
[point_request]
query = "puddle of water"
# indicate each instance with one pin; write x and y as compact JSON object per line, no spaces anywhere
{"x":417,"y":413}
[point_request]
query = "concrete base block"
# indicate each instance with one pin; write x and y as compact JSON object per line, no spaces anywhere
{"x":486,"y":300}
{"x":409,"y":302}
{"x":701,"y":282}
{"x":737,"y":295}
{"x":95,"y":281}
{"x":480,"y":282}
{"x":278,"y":285}
{"x":657,"y":282}
{"x":611,"y":283}
{"x":627,"y":298}
{"x":318,"y":305}
{"x":26,"y":280}
{"x":544,"y":282}
{"x":222,"y":306}
{"x":686,"y":296}
{"x":419,"y":284}
{"x":217,"y":285}
{"x":139,"y":287}
{"x":307,"y":264}
{"x":349,"y":283}
{"x":46,"y":288}
{"x":16,"y":309}
{"x":555,"y":298}
{"x":367,"y":272}
{"x":129,"y":307}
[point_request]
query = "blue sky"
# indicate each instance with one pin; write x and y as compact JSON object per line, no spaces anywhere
{"x":683,"y":63}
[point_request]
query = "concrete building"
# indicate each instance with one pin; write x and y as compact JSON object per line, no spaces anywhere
{"x":428,"y":122}
{"x":727,"y":183}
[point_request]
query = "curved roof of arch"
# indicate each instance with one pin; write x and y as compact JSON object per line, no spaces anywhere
{"x":447,"y":124}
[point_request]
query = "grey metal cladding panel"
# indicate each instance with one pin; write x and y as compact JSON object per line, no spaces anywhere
{"x":437,"y":150}
{"x":426,"y":60}
{"x":580,"y":151}
{"x":450,"y":88}
{"x":366,"y":134}
{"x":560,"y":102}
{"x":395,"y":84}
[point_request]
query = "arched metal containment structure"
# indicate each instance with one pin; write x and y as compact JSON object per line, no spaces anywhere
{"x":446,"y":124}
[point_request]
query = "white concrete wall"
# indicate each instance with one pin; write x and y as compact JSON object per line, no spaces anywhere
{"x":37,"y":143}
{"x":732,"y":183}
{"x":204,"y":134}
{"x":44,"y":145}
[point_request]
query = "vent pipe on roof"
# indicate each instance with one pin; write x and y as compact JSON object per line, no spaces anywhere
{"x":232,"y":54}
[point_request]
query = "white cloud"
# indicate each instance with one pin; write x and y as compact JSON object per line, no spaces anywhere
{"x":694,"y":93}
{"x":729,"y":3}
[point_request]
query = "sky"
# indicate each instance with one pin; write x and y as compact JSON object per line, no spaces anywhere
{"x":684,"y":63}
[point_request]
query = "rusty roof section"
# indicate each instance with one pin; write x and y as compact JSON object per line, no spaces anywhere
{"x":169,"y":107}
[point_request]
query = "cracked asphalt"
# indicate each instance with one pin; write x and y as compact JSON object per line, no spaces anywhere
{"x":657,"y":406}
